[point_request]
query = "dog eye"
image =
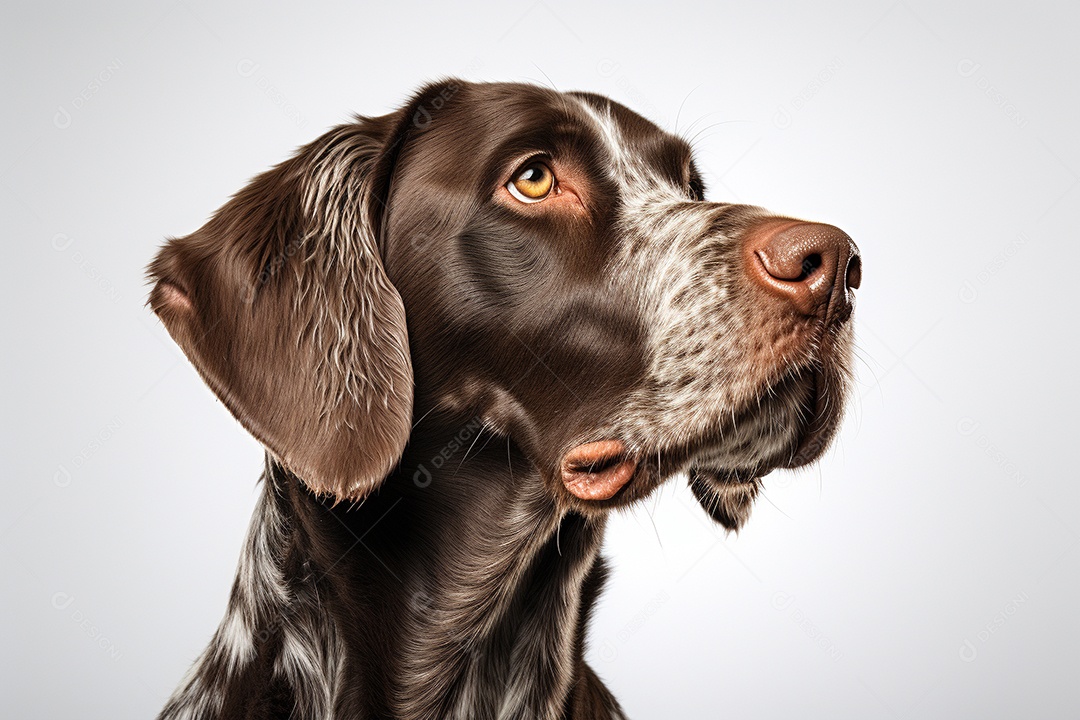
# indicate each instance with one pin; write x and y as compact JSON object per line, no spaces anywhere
{"x":532,"y":183}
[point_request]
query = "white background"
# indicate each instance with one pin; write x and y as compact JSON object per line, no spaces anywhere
{"x":927,"y":568}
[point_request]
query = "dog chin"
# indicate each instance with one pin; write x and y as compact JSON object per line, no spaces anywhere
{"x":726,"y":496}
{"x":726,"y":485}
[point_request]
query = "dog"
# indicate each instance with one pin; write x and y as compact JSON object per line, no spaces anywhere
{"x":464,"y":331}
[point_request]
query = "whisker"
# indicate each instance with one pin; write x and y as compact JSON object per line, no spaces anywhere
{"x":679,"y":112}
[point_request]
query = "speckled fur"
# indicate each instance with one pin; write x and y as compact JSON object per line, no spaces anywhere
{"x":425,"y":579}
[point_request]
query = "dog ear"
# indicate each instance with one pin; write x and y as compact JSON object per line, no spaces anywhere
{"x":727,"y":503}
{"x":282,"y":304}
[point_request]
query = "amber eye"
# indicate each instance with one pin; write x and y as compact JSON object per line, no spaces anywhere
{"x":532,"y":183}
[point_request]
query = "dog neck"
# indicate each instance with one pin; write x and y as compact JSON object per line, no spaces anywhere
{"x":458,"y":589}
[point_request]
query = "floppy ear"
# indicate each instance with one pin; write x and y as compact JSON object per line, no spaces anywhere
{"x":281,"y":303}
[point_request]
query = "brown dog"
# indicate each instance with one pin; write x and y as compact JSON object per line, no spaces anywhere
{"x":481,"y":322}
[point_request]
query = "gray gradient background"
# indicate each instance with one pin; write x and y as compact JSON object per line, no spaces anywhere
{"x":926,"y":568}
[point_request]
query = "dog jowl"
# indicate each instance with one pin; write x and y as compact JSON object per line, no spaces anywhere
{"x":546,"y":267}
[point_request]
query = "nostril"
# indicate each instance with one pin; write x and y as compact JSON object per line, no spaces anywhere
{"x":809,"y":264}
{"x":854,"y":272}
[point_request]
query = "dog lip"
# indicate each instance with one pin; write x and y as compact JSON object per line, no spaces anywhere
{"x":728,"y":476}
{"x":818,"y":426}
{"x":597,"y":470}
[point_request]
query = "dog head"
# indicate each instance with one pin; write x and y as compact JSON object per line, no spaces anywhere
{"x":546,"y":261}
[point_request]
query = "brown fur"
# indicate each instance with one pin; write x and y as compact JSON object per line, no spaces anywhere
{"x":401,"y":334}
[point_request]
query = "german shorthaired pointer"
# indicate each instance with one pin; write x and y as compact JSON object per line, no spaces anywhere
{"x":464,"y":331}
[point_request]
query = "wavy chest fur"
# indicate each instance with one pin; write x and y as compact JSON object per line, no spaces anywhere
{"x":456,"y":596}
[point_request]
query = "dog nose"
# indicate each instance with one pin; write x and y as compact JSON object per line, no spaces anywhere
{"x":812,"y":266}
